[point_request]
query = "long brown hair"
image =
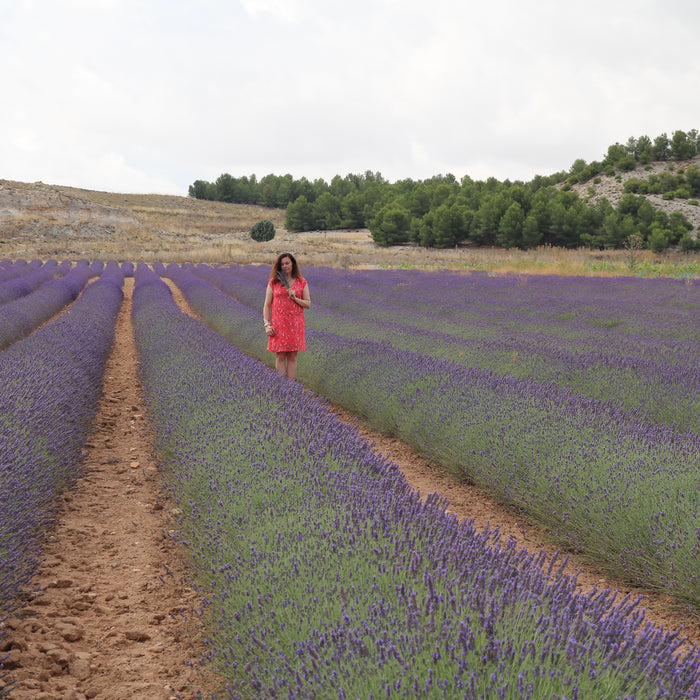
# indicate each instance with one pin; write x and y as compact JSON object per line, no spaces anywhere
{"x":277,"y":266}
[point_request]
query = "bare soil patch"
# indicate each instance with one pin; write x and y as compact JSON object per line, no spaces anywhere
{"x":115,"y":616}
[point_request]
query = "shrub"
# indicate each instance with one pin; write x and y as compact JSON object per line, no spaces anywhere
{"x":628,"y":162}
{"x":391,"y":226}
{"x":687,"y":243}
{"x":262,"y":231}
{"x":658,"y":240}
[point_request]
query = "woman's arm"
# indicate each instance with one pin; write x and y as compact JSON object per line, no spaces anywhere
{"x":267,"y":308}
{"x":305,"y":300}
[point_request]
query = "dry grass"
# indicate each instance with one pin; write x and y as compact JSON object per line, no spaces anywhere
{"x":182,"y":229}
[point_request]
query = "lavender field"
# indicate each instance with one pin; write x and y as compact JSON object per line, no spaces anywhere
{"x":575,"y":399}
{"x":327,"y":577}
{"x":324,"y":575}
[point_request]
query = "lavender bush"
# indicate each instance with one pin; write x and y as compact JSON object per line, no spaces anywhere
{"x":51,"y":384}
{"x":326,"y":575}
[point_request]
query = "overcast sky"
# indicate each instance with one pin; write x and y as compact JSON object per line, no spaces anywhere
{"x":151,"y":95}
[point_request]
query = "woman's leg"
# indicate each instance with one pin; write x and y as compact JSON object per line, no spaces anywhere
{"x":281,"y":363}
{"x":292,"y":365}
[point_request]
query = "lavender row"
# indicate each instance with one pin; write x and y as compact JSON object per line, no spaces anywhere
{"x":20,"y":317}
{"x":603,"y":478}
{"x":326,"y":575}
{"x":15,"y":268}
{"x":631,"y":341}
{"x":51,"y":384}
{"x":27,"y":281}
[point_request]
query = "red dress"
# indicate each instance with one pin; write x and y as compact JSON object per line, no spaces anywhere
{"x":287,"y":319}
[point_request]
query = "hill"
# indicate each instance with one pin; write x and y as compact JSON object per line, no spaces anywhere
{"x":44,"y":221}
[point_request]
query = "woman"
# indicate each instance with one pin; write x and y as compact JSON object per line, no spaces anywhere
{"x":286,"y":297}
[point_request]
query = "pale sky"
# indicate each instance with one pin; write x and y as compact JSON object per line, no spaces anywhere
{"x":147,"y":96}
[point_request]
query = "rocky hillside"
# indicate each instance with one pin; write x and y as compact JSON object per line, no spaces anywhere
{"x":611,"y":188}
{"x":39,"y":202}
{"x":39,"y":220}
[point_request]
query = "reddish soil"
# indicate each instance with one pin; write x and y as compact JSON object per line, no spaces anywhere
{"x":115,"y":616}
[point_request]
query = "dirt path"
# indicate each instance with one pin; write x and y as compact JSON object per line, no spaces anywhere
{"x":115,"y":618}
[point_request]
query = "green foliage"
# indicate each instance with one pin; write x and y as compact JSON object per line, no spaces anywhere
{"x":532,"y":235}
{"x":225,"y":188}
{"x":391,"y":226}
{"x":327,"y":211}
{"x":692,"y":177}
{"x":688,"y":244}
{"x":443,"y":212}
{"x":510,"y":228}
{"x":299,"y":215}
{"x":201,"y":189}
{"x":682,"y":147}
{"x":644,"y":149}
{"x":658,"y":239}
{"x":661,"y":148}
{"x":262,"y":231}
{"x":627,"y":162}
{"x":449,"y":225}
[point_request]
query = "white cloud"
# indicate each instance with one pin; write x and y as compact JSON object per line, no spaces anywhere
{"x":115,"y":172}
{"x":162,"y":93}
{"x":287,"y":10}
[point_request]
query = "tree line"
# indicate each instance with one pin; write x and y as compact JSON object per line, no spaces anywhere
{"x":444,"y":212}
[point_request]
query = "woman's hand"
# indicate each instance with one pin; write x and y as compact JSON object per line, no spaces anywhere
{"x":292,"y":295}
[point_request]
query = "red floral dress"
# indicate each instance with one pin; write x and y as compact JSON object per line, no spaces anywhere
{"x":287,"y":319}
